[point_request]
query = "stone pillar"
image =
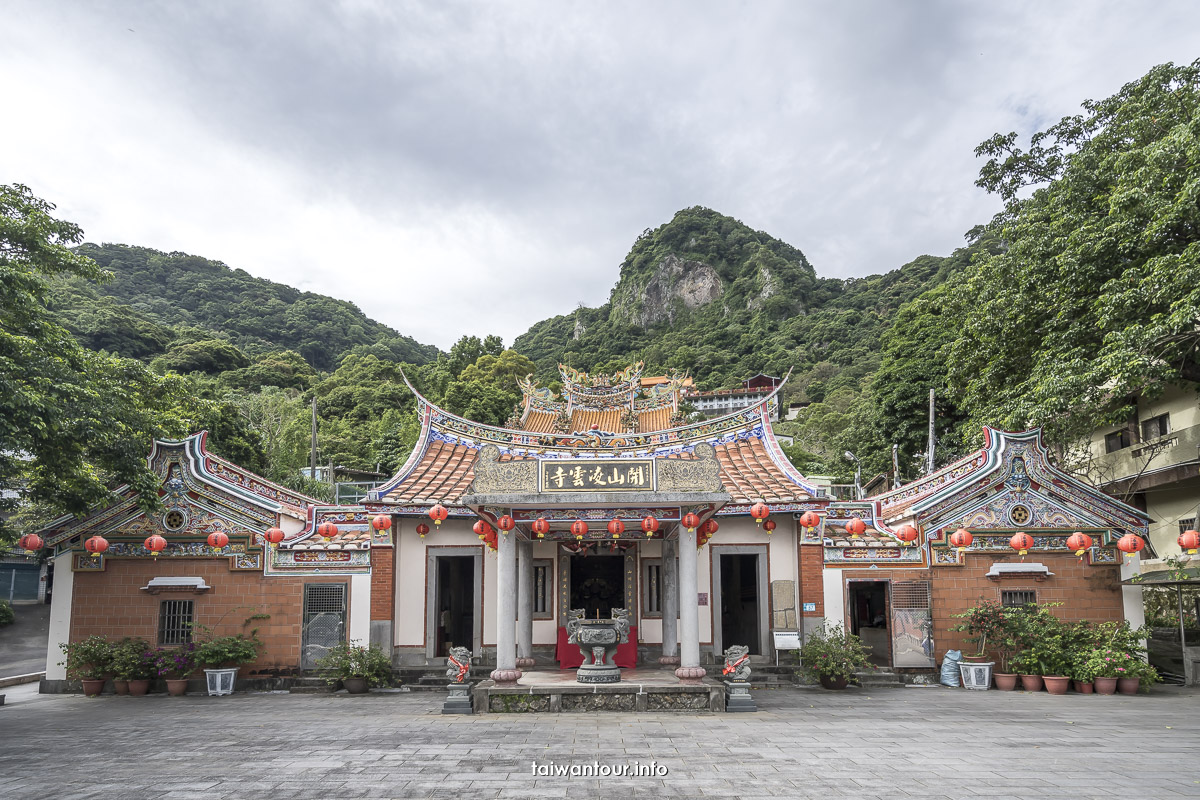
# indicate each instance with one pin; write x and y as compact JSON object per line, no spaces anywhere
{"x":506,"y":672}
{"x":524,"y":604}
{"x":689,"y":670}
{"x":669,"y":592}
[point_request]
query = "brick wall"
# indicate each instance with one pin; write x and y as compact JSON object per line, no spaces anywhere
{"x":812,"y":586}
{"x":383,"y":586}
{"x":1086,"y":592}
{"x":111,"y":604}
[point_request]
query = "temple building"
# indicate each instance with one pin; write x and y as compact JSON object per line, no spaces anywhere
{"x":599,"y":498}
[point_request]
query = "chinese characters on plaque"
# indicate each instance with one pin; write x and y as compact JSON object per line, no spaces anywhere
{"x":591,"y":476}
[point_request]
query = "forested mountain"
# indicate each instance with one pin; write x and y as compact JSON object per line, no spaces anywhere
{"x":152,"y":295}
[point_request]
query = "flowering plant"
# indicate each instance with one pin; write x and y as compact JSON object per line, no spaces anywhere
{"x":834,"y":653}
{"x":174,"y":662}
{"x":1104,"y":662}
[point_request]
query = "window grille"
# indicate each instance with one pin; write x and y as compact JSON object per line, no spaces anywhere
{"x":1188,"y":524}
{"x":1017,"y":598}
{"x":652,"y":587}
{"x":175,"y":622}
{"x":543,"y":588}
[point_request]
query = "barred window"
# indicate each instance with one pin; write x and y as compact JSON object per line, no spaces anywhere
{"x":1017,"y":598}
{"x":543,"y":588}
{"x":652,"y":587}
{"x":175,"y":622}
{"x":1188,"y":524}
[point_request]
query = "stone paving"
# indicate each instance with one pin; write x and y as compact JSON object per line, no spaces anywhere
{"x":888,"y":743}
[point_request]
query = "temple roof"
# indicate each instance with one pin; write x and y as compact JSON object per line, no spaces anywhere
{"x":752,"y":465}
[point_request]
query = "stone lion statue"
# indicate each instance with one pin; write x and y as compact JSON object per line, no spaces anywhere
{"x":737,"y":663}
{"x":458,"y":664}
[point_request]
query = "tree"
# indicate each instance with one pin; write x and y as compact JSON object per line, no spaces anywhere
{"x":1097,"y":294}
{"x":73,"y":423}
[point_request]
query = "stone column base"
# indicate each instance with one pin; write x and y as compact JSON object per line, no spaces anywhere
{"x":506,"y":677}
{"x":525,"y":663}
{"x":690,"y":676}
{"x":669,"y":661}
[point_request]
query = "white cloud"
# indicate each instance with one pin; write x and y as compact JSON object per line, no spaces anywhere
{"x":474,"y":168}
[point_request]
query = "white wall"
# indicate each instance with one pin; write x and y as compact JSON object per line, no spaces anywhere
{"x":60,"y":616}
{"x":835,"y":599}
{"x":360,"y":608}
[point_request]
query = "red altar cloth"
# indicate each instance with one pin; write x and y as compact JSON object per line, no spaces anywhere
{"x":569,"y":657}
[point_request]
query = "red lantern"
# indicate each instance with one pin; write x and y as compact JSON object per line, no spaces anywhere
{"x":691,"y":522}
{"x":855,"y":527}
{"x":1079,"y":542}
{"x":482,"y":529}
{"x":579,"y":528}
{"x":438,"y":514}
{"x":810,"y":519}
{"x":1188,"y":540}
{"x":541,"y":527}
{"x":506,"y":523}
{"x":422,"y":529}
{"x":961,"y":539}
{"x":381,"y":522}
{"x":710,"y":527}
{"x":328,"y":530}
{"x":650,"y":526}
{"x":616,"y":528}
{"x":768,"y":526}
{"x":1130,"y":543}
{"x":759,"y":511}
{"x":96,"y":545}
{"x":217,"y":540}
{"x":31,"y":542}
{"x":907,"y":534}
{"x":273,"y":536}
{"x":155,"y":544}
{"x":1021,"y":542}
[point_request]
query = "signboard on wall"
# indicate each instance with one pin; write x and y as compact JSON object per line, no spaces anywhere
{"x":787,"y":640}
{"x":810,"y":606}
{"x":570,"y":475}
{"x":702,"y":599}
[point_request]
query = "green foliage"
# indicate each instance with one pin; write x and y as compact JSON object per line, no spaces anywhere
{"x":228,"y":651}
{"x":129,"y":660}
{"x":88,"y":659}
{"x":833,"y":652}
{"x":988,"y":623}
{"x":1096,"y":295}
{"x":174,"y":662}
{"x":7,"y":615}
{"x":347,"y":660}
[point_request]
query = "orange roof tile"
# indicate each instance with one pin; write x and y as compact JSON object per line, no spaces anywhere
{"x":749,"y":474}
{"x":539,"y":422}
{"x":609,"y":420}
{"x":657,"y":420}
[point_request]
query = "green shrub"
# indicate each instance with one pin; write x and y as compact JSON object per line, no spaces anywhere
{"x":90,"y":659}
{"x":7,"y":615}
{"x":354,"y":661}
{"x":129,"y":662}
{"x":833,"y":652}
{"x":229,"y":651}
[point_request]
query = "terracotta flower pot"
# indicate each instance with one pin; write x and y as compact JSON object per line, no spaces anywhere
{"x":93,"y":687}
{"x":139,"y":688}
{"x":1006,"y":681}
{"x":1031,"y":683}
{"x":1084,"y":687}
{"x":177,"y":687}
{"x":1057,"y":684}
{"x":830,"y":682}
{"x":1106,"y":685}
{"x":355,"y":685}
{"x":1128,"y":685}
{"x":120,"y":686}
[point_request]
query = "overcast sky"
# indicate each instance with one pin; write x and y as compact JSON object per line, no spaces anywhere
{"x":473,"y":168}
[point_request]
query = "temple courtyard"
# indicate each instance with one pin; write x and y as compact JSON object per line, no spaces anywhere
{"x":889,"y":743}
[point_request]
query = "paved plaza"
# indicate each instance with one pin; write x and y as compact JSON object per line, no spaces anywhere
{"x":889,"y":743}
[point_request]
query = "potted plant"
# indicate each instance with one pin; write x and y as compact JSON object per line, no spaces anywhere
{"x":356,"y":667}
{"x":127,"y":664}
{"x":1106,"y":665}
{"x":832,"y":656}
{"x":988,"y":624}
{"x":221,"y":657}
{"x":89,"y":660}
{"x":175,"y":664}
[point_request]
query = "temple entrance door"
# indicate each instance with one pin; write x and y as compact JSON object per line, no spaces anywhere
{"x":739,"y":585}
{"x":598,"y":584}
{"x":868,"y":610}
{"x":452,"y":603}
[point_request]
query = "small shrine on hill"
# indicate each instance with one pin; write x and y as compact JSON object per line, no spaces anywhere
{"x":598,"y":504}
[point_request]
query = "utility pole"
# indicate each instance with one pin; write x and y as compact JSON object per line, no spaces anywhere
{"x":895,"y":466}
{"x":312,"y":459}
{"x":932,"y":436}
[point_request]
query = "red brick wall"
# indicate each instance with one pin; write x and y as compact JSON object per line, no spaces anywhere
{"x":1086,"y":592}
{"x":383,"y":587}
{"x":111,"y":604}
{"x":812,"y":585}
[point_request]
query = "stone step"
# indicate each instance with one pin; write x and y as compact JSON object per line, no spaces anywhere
{"x":324,"y":688}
